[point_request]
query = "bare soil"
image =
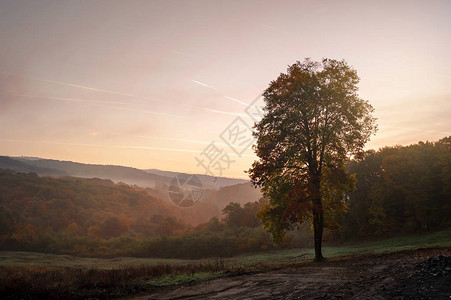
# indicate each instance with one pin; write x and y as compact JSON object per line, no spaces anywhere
{"x":413,"y":274}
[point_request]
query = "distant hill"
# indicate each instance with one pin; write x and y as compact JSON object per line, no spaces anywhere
{"x":207,"y":180}
{"x":239,"y":193}
{"x":115,"y":173}
{"x":152,"y":178}
{"x":19,"y":166}
{"x":216,"y":193}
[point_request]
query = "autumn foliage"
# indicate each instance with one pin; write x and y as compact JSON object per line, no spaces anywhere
{"x":399,"y":190}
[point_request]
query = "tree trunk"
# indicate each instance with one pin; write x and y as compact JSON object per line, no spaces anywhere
{"x":318,"y":222}
{"x":318,"y":226}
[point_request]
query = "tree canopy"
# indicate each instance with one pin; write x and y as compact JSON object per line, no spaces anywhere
{"x":400,"y":190}
{"x":314,"y":120}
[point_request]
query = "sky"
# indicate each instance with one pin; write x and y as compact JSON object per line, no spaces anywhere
{"x":167,"y":84}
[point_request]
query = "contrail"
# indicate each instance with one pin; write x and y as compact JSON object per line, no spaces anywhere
{"x":181,"y":150}
{"x":227,"y":113}
{"x":168,"y":139}
{"x":101,"y":103}
{"x":213,"y":88}
{"x":236,"y":100}
{"x":125,"y":103}
{"x":69,"y":99}
{"x":185,"y":150}
{"x":124,"y":94}
{"x":87,"y":87}
{"x":77,"y":85}
{"x":96,"y":145}
{"x":144,"y":111}
{"x":204,"y":84}
{"x":216,"y":111}
{"x":115,"y":146}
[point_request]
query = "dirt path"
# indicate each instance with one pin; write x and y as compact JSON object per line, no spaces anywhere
{"x":388,"y":276}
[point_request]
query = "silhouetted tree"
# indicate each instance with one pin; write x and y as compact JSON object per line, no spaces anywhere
{"x":314,"y":121}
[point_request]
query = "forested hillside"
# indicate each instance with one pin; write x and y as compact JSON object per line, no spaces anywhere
{"x":40,"y":213}
{"x":400,"y":190}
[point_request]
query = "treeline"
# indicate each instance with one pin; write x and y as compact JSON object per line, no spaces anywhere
{"x":400,"y":190}
{"x":238,"y":232}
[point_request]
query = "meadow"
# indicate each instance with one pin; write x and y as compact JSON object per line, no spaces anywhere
{"x":47,"y":275}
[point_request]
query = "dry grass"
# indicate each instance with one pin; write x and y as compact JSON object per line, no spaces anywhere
{"x":74,"y":283}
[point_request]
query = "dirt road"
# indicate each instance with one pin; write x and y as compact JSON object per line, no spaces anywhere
{"x":419,"y":274}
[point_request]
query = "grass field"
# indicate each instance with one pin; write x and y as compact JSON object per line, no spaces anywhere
{"x":437,"y":239}
{"x":17,"y":258}
{"x":48,"y":275}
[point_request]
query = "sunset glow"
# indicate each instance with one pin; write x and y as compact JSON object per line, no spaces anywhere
{"x":151,"y":84}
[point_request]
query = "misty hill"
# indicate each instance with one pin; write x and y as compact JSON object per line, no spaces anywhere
{"x":19,"y":166}
{"x":239,"y":193}
{"x":144,"y":178}
{"x":115,"y":173}
{"x":213,"y":199}
{"x":55,"y":203}
{"x":207,"y":180}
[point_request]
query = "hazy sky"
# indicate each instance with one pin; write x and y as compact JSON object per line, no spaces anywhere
{"x":150,"y":84}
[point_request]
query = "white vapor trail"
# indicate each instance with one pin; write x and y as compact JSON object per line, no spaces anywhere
{"x":87,"y":87}
{"x":112,"y":146}
{"x":168,"y":139}
{"x":213,"y":88}
{"x":227,"y":113}
{"x":68,"y":99}
{"x":128,"y":95}
{"x":204,"y":84}
{"x":144,"y":111}
{"x":236,"y":100}
{"x":100,"y":103}
{"x":77,"y":86}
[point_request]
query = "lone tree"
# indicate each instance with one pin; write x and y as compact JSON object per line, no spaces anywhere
{"x":313,"y":122}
